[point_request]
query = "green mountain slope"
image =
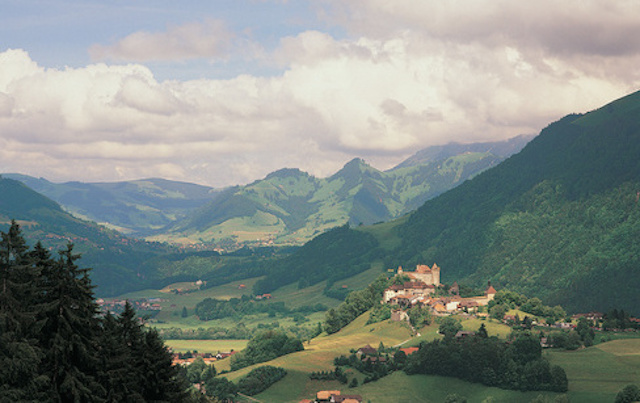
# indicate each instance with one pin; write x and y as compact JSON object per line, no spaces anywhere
{"x":559,"y":220}
{"x":118,"y":262}
{"x":134,"y":207}
{"x":291,"y":207}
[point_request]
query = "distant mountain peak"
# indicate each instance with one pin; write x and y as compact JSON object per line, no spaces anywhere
{"x":356,"y":162}
{"x":286,"y":173}
{"x":354,"y":167}
{"x":502,"y":148}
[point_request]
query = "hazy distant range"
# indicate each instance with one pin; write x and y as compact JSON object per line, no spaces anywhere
{"x":286,"y":207}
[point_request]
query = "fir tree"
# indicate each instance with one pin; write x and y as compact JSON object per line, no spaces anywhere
{"x":19,"y":356}
{"x":151,"y":374}
{"x":70,"y":328}
{"x":160,"y":379}
{"x":115,"y":373}
{"x":482,"y":331}
{"x":130,"y":334}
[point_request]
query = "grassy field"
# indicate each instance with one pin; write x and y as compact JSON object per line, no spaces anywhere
{"x":596,"y":374}
{"x":320,"y":352}
{"x":401,"y":388}
{"x":205,"y":346}
{"x":294,"y":297}
{"x":398,"y":387}
{"x":172,"y":304}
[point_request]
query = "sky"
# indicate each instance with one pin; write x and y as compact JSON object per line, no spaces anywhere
{"x":223,"y":92}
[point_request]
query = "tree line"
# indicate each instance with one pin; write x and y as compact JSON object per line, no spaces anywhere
{"x":55,"y":346}
{"x":506,"y":300}
{"x":238,"y":332}
{"x":517,"y":365}
{"x":265,"y":347}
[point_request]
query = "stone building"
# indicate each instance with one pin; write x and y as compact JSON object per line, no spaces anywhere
{"x":424,"y":273}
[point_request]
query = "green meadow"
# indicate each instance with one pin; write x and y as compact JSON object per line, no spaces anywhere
{"x":172,"y":303}
{"x":596,"y":374}
{"x":397,"y":387}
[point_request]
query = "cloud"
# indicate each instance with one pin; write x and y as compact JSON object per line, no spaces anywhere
{"x":404,"y":78}
{"x":572,"y":26}
{"x":209,"y":39}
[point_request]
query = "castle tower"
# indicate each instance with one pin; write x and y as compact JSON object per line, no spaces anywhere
{"x":490,"y":293}
{"x":435,"y":272}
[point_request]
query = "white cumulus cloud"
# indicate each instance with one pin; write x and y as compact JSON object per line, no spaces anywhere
{"x":406,"y":75}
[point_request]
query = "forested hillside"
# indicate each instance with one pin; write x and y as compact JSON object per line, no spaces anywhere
{"x":121,"y":264}
{"x":118,"y":262}
{"x":559,"y":220}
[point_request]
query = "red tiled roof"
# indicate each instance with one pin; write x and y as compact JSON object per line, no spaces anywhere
{"x":409,"y":350}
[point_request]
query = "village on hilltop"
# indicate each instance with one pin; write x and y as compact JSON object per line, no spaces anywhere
{"x":420,"y":290}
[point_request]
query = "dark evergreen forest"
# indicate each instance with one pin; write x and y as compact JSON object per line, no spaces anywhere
{"x":55,"y":346}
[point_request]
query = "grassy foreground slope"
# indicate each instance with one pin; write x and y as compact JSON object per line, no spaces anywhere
{"x":398,"y":387}
{"x":595,"y":374}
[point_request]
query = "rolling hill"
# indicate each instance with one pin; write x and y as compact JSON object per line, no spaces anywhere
{"x":136,"y":208}
{"x":559,"y":220}
{"x":291,"y":207}
{"x":118,"y":262}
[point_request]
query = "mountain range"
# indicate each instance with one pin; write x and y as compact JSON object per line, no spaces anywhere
{"x":291,"y":207}
{"x":57,"y":213}
{"x":287,"y":207}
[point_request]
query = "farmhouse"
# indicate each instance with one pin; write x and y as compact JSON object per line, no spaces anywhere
{"x":366,"y":350}
{"x":224,"y":354}
{"x":398,"y":315}
{"x":325,"y":395}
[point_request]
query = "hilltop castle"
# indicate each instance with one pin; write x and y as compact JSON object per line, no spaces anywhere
{"x":424,"y":273}
{"x":421,"y":289}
